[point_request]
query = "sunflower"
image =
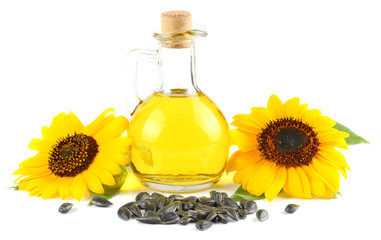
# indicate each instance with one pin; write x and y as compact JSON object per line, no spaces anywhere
{"x":286,"y":146}
{"x":73,"y":159}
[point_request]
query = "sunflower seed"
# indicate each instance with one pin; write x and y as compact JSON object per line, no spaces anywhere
{"x":241,"y":213}
{"x":156,"y":195}
{"x":65,"y":207}
{"x":203,"y":225}
{"x":224,"y":195}
{"x":129,"y":204}
{"x":204,"y":207}
{"x":220,"y":210}
{"x":149,"y":220}
{"x":200,"y":199}
{"x":232,"y":214}
{"x":142,"y":204}
{"x":201,"y":215}
{"x":190,"y":198}
{"x":208,"y":202}
{"x":194,"y":204}
{"x":223,"y":218}
{"x":242,"y":203}
{"x":185,"y":220}
{"x":142,"y":196}
{"x":262,"y":215}
{"x":190,"y":214}
{"x":228,"y":202}
{"x":124,"y":213}
{"x":168,"y":202}
{"x":186,"y":205}
{"x":170,"y":218}
{"x":160,"y":202}
{"x":217,"y":197}
{"x":179,"y":205}
{"x":291,"y":208}
{"x":176,"y":197}
{"x":250,"y":207}
{"x":150,"y":213}
{"x":100,"y":202}
{"x":136,"y":213}
{"x":211,"y":216}
{"x":151,"y":207}
{"x":166,"y":209}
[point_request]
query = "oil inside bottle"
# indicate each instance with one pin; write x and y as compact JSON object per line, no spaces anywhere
{"x":181,"y":142}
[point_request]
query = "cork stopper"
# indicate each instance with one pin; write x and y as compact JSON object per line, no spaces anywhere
{"x":175,"y":22}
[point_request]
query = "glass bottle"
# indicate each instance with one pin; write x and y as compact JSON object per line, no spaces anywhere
{"x":180,"y":137}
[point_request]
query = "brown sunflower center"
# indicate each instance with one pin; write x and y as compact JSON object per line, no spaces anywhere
{"x":72,"y":155}
{"x":288,"y":142}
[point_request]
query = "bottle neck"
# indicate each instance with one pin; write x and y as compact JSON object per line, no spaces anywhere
{"x":177,"y":71}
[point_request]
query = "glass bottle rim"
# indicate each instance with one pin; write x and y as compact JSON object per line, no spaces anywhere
{"x":183,"y":36}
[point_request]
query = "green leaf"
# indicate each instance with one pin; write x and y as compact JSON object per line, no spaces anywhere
{"x":353,"y":137}
{"x":243,"y":194}
{"x":110,"y":191}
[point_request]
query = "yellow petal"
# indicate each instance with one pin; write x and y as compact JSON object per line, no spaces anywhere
{"x":116,"y":157}
{"x":78,"y":187}
{"x":75,"y":124}
{"x":244,"y":141}
{"x":112,"y":130}
{"x":92,"y":182}
{"x":333,"y":158}
{"x":293,"y":185}
{"x":292,"y":108}
{"x":311,"y":116}
{"x":104,"y":176}
{"x":117,"y":145}
{"x":239,"y":175}
{"x":100,"y":122}
{"x":275,"y":106}
{"x":324,"y":123}
{"x":60,"y":125}
{"x":262,"y":178}
{"x":26,"y":178}
{"x":65,"y":187}
{"x":333,"y":138}
{"x":49,"y":136}
{"x":32,"y":170}
{"x":39,"y":160}
{"x":240,"y":160}
{"x":277,"y":184}
{"x":248,"y":176}
{"x":262,"y":115}
{"x":247,"y":123}
{"x":40,"y":145}
{"x":110,"y":166}
{"x":304,"y":182}
{"x":36,"y":182}
{"x":51,"y":190}
{"x":328,"y":174}
{"x":318,"y":187}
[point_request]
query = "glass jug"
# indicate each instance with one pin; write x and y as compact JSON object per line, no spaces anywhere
{"x":180,"y":137}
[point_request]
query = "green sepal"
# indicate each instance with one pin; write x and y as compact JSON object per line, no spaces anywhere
{"x":110,"y":191}
{"x":243,"y":194}
{"x":14,"y":187}
{"x":353,"y":137}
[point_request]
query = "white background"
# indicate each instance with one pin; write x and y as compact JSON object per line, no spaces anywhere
{"x":61,"y":56}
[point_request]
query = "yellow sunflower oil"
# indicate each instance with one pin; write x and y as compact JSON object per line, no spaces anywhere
{"x":179,"y":137}
{"x":179,"y":141}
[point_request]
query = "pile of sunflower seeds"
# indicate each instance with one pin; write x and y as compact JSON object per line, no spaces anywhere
{"x":203,"y":211}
